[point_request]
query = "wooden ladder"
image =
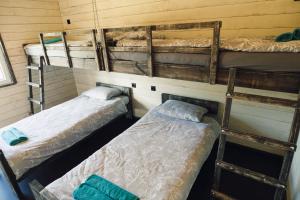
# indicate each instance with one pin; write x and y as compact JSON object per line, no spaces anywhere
{"x":40,"y":68}
{"x":288,"y":147}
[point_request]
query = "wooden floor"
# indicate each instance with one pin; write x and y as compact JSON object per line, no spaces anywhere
{"x":238,"y":187}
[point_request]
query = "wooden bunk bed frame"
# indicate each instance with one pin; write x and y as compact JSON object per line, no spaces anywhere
{"x":275,"y":81}
{"x":8,"y":172}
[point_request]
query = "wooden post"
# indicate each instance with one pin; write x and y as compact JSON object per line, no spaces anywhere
{"x":96,"y":48}
{"x":149,"y":50}
{"x":44,"y":49}
{"x":30,"y":93}
{"x":41,"y":82}
{"x":102,"y":33}
{"x":10,"y":176}
{"x":214,"y":53}
{"x":66,"y":48}
{"x":225,"y":123}
{"x":288,"y":157}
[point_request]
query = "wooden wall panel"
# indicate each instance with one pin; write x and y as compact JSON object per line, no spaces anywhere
{"x":20,"y":22}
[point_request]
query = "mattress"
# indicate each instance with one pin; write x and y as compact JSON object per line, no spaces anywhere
{"x":55,"y":129}
{"x":157,"y":158}
{"x":251,"y":54}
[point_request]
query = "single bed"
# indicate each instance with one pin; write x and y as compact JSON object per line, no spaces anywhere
{"x":56,"y":129}
{"x":159,"y":157}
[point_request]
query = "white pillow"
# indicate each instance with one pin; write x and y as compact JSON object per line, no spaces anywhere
{"x":101,"y":92}
{"x":182,"y":110}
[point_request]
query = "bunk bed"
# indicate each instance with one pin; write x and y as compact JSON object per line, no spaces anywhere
{"x":146,"y":50}
{"x":128,"y":163}
{"x":54,"y":131}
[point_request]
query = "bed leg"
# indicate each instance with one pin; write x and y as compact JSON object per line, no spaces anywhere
{"x":36,"y":188}
{"x":10,"y":176}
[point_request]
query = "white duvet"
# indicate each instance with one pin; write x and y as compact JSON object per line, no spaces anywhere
{"x":158,"y":158}
{"x":58,"y":128}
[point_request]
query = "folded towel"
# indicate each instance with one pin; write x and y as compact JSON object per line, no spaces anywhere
{"x":53,"y":40}
{"x":86,"y":192}
{"x":296,"y":34}
{"x":109,"y":188}
{"x":284,"y":37}
{"x":95,"y":187}
{"x":13,"y":136}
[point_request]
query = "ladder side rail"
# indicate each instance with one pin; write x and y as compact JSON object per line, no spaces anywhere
{"x":41,"y":82}
{"x":288,"y":158}
{"x":30,"y":93}
{"x":225,"y":124}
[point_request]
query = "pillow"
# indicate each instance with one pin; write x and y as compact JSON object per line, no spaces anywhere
{"x":101,"y":92}
{"x":182,"y":110}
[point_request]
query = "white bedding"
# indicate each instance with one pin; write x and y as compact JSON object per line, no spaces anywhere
{"x":158,"y":158}
{"x":58,"y":128}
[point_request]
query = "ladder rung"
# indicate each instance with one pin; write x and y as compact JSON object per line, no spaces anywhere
{"x":34,"y":84}
{"x":34,"y":101}
{"x":263,"y":99}
{"x":286,"y":146}
{"x":220,"y":195}
{"x":33,"y":67}
{"x":250,"y":174}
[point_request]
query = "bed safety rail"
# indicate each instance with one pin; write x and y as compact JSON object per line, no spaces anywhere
{"x":62,"y":35}
{"x":149,"y":50}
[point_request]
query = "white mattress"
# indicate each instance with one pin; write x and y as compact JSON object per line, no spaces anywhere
{"x":158,"y":158}
{"x":58,"y":128}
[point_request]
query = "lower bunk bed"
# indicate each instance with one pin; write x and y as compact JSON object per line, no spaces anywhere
{"x":54,"y":131}
{"x":159,"y":157}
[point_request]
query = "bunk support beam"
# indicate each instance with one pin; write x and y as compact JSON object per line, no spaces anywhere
{"x":44,"y":48}
{"x":10,"y":176}
{"x":149,"y":50}
{"x":96,"y":49}
{"x":102,"y":33}
{"x":66,"y":48}
{"x":214,"y":53}
{"x":41,"y":83}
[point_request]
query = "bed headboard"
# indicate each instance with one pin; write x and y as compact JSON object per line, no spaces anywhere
{"x":212,"y":106}
{"x":125,"y":91}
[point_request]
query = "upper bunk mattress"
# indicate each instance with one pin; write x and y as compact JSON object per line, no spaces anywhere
{"x":157,"y":158}
{"x":55,"y":129}
{"x":252,"y":54}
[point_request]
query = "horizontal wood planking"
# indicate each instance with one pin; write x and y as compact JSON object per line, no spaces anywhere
{"x":21,"y":22}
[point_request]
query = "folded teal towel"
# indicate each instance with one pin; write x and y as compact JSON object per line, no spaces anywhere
{"x":107,"y":188}
{"x":296,"y":34}
{"x":86,"y":192}
{"x":53,"y":40}
{"x":284,"y":37}
{"x":13,"y":136}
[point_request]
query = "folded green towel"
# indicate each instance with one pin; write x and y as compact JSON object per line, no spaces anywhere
{"x":86,"y":192}
{"x":13,"y":136}
{"x":296,"y":34}
{"x":53,"y":40}
{"x":104,"y":187}
{"x":284,"y":37}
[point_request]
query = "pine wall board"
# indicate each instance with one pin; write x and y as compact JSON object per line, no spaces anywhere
{"x":20,"y":23}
